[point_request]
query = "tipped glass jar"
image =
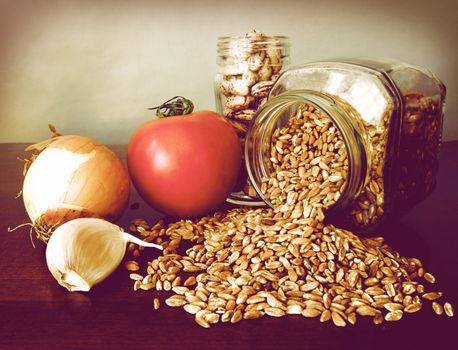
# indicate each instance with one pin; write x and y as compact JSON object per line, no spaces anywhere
{"x":390,"y":117}
{"x":248,"y":66}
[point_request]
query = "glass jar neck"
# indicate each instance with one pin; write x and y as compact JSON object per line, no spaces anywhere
{"x":235,"y":49}
{"x":276,"y":113}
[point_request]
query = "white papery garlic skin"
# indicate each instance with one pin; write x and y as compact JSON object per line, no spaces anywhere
{"x":83,"y":252}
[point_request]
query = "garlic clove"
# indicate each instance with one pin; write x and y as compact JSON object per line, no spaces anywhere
{"x":132,"y":239}
{"x":73,"y":282}
{"x":83,"y":252}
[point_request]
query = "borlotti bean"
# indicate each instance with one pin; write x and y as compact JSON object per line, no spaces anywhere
{"x":248,"y":67}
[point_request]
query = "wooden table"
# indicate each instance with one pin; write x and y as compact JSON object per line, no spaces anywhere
{"x":36,"y":313}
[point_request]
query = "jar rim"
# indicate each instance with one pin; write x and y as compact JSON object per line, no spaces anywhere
{"x":238,"y":37}
{"x":327,"y":105}
{"x":232,"y":49}
{"x":227,"y":43}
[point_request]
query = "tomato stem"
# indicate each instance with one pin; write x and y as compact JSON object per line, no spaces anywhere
{"x":177,"y":105}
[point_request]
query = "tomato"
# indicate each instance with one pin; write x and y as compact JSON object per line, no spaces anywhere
{"x":186,"y":165}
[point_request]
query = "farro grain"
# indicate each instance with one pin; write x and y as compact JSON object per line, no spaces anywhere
{"x":245,"y":263}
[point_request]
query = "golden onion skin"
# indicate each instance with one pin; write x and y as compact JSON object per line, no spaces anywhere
{"x":74,"y":176}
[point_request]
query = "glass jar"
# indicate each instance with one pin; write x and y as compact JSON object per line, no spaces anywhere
{"x":390,"y":117}
{"x":248,"y":66}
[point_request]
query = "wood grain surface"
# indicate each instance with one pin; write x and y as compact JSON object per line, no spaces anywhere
{"x":36,"y":313}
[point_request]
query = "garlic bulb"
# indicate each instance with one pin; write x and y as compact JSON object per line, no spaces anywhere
{"x":82,"y":252}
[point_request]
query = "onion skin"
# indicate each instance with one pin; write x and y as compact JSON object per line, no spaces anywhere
{"x":72,"y":177}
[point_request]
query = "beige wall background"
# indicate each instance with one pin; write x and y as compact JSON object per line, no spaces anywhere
{"x":93,"y":67}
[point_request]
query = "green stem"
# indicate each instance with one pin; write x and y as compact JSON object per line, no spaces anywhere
{"x":177,"y":105}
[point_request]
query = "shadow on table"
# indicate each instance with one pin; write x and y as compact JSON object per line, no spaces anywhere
{"x":402,"y":238}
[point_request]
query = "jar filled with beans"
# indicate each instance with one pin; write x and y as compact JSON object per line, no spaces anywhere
{"x":368,"y":128}
{"x":248,"y":66}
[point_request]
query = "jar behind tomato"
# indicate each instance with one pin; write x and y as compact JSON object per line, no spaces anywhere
{"x":248,"y":66}
{"x":390,"y":116}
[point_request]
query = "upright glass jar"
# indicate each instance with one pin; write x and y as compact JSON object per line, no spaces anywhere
{"x":390,"y":117}
{"x":248,"y":66}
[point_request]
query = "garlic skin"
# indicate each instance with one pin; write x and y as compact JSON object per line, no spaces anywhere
{"x":83,"y":252}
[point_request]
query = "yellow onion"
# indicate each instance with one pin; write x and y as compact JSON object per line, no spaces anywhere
{"x":73,"y":177}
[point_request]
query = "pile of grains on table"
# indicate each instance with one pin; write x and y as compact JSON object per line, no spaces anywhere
{"x":246,"y":263}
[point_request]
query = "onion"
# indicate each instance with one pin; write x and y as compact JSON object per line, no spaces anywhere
{"x":73,"y":177}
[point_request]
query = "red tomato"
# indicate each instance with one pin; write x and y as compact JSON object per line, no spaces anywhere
{"x":185,"y":165}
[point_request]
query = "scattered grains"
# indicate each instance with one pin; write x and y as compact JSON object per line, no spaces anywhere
{"x":175,"y":302}
{"x":438,"y":309}
{"x":351,"y":318}
{"x":274,"y":312}
{"x":212,"y":318}
{"x":337,"y":319}
{"x":432,"y":295}
{"x":236,"y":317}
{"x":393,"y":306}
{"x":201,"y":322}
{"x":430,"y":278}
{"x":325,"y":316}
{"x":378,"y":319}
{"x":192,"y":309}
{"x":252,"y":314}
{"x":244,"y":263}
{"x":448,"y":308}
{"x":394,"y":315}
{"x":412,"y":308}
{"x":135,"y":276}
{"x":132,"y":266}
{"x":294,"y":309}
